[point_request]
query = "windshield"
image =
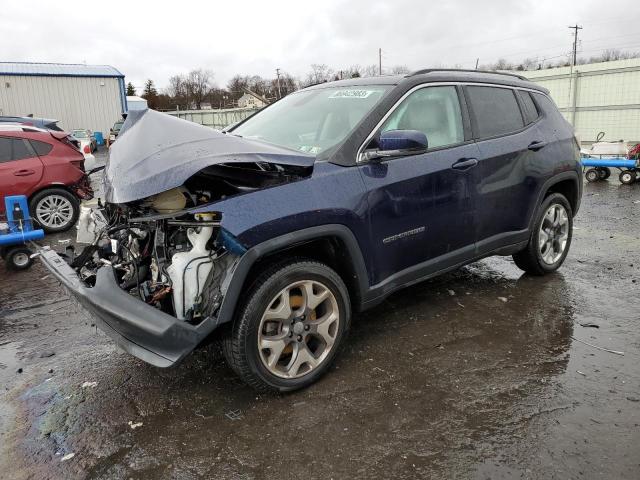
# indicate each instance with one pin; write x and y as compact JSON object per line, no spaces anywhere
{"x":117,"y":126}
{"x":312,"y":120}
{"x":80,"y":134}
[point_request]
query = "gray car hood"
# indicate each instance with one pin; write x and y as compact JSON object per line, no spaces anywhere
{"x":156,"y":152}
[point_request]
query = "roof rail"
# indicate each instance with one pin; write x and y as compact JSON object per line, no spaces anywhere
{"x":429,"y":70}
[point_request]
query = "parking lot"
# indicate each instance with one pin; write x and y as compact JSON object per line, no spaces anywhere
{"x":481,"y":373}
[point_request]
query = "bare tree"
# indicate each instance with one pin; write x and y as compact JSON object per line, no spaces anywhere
{"x":288,"y":84}
{"x":399,"y":69}
{"x":319,"y":73}
{"x":198,"y":84}
{"x":370,"y":71}
{"x":177,"y":90}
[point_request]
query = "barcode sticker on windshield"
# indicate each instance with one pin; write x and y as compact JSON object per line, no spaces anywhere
{"x":351,"y":94}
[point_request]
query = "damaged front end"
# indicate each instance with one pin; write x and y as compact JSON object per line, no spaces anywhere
{"x":155,"y":272}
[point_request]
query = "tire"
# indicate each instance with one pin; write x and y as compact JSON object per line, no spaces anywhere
{"x":604,"y":172}
{"x":43,"y":202}
{"x":18,"y":258}
{"x":537,"y":259}
{"x":592,"y":175}
{"x":297,"y":336}
{"x":627,"y":177}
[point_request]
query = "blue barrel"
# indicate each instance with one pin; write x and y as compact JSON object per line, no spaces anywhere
{"x":99,"y":138}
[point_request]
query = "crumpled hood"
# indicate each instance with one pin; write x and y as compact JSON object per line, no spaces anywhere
{"x":155,"y":152}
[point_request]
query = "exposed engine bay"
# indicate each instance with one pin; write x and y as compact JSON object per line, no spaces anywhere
{"x":177,"y":261}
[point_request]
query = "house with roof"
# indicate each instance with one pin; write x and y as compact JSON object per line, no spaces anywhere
{"x":77,"y":95}
{"x":252,"y":100}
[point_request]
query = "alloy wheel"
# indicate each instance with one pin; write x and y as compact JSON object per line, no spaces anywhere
{"x":54,"y":211}
{"x":298,"y":329}
{"x":553,"y":234}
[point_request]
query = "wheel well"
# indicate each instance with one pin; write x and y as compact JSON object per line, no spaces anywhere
{"x":329,"y":250}
{"x":50,"y":187}
{"x":569,"y":189}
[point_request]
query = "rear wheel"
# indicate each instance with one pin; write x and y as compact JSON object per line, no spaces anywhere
{"x":604,"y":172}
{"x":550,"y":238}
{"x":55,"y":209}
{"x":290,"y":328}
{"x":627,"y":177}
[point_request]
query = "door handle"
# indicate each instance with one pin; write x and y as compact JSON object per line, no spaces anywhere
{"x":535,"y":146}
{"x":23,"y":173}
{"x":465,"y":163}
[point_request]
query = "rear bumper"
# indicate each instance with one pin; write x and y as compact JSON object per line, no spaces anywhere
{"x":140,"y":329}
{"x":82,"y":188}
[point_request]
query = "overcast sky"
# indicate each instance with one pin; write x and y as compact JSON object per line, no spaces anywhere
{"x":156,"y":40}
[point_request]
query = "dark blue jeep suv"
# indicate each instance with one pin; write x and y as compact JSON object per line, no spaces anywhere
{"x":269,"y":236}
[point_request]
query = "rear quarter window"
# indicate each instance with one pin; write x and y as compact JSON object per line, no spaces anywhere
{"x":529,"y":108}
{"x":495,"y":110}
{"x":41,"y":148}
{"x":546,"y":104}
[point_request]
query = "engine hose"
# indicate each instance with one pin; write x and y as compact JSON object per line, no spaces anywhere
{"x":184,"y":272}
{"x":132,"y":282}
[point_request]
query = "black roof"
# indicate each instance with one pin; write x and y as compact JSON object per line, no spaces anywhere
{"x":440,"y":75}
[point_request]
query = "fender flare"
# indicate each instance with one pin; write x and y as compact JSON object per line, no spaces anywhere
{"x":230,"y":300}
{"x":570,"y":175}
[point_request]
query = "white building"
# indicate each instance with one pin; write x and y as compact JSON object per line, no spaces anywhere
{"x":251,"y":100}
{"x":136,"y":103}
{"x":599,"y":97}
{"x":79,"y":96}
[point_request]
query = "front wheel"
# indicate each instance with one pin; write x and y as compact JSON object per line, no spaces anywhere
{"x":550,"y":238}
{"x":18,"y":258}
{"x":290,"y":328}
{"x":592,"y":175}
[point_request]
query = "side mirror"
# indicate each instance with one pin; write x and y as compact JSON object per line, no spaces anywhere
{"x":398,"y":143}
{"x":403,"y":140}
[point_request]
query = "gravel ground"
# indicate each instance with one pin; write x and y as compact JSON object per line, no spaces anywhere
{"x":481,"y":373}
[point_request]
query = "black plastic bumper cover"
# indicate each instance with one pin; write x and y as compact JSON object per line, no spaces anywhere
{"x":140,"y":329}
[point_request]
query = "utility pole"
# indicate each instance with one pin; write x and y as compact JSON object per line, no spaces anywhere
{"x":380,"y":61}
{"x":575,"y":29}
{"x":477,"y":60}
{"x":572,"y":85}
{"x":278,"y":77}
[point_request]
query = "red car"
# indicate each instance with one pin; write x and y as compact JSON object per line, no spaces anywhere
{"x":47,"y":167}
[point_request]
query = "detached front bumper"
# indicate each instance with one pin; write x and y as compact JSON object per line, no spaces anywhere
{"x":140,"y":329}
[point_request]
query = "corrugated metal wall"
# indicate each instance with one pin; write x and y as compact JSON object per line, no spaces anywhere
{"x":217,"y":119}
{"x":78,"y":102}
{"x":600,"y":97}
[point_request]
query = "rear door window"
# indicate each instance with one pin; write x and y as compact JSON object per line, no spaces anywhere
{"x":14,"y":149}
{"x":5,"y":149}
{"x":21,"y":149}
{"x":495,"y":111}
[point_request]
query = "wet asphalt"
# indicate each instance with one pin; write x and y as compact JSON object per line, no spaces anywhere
{"x":481,"y":373}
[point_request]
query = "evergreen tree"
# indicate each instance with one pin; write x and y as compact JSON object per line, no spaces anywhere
{"x":150,"y":94}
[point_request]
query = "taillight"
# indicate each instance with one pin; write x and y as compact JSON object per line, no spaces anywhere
{"x":87,"y":149}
